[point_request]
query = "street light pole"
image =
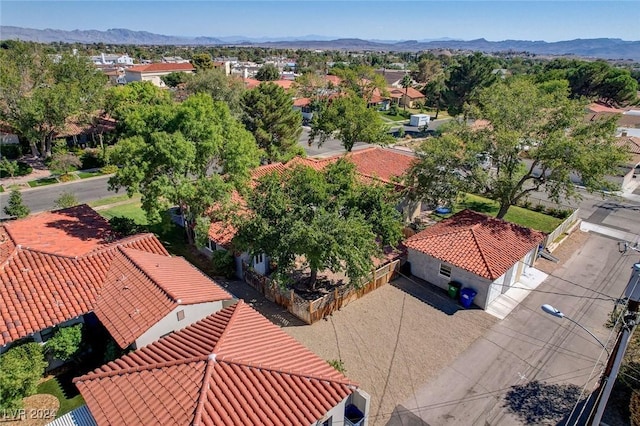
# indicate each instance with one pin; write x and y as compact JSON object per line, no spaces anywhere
{"x":556,"y":313}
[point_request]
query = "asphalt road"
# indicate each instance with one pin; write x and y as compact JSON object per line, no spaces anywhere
{"x":43,"y":198}
{"x":529,"y":345}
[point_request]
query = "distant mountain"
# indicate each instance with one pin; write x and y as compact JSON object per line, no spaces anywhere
{"x":605,"y":48}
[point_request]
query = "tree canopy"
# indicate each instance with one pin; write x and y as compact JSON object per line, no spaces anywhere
{"x":21,"y":368}
{"x":270,"y":117}
{"x":348,"y":119}
{"x":466,"y":78}
{"x":190,"y":154}
{"x":268,"y":72}
{"x":536,"y":139}
{"x":361,"y":80}
{"x":122,"y":101}
{"x":219,"y":86}
{"x":327,"y":218}
{"x":202,"y":62}
{"x":40,"y":93}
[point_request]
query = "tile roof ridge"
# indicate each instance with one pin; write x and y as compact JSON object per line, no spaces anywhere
{"x":124,"y":250}
{"x":10,"y":257}
{"x":137,"y":368}
{"x":206,"y":385}
{"x":258,"y":366}
{"x":234,"y":314}
{"x":118,"y":243}
{"x":20,"y":247}
{"x":484,"y":259}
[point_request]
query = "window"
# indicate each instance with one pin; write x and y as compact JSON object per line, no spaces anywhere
{"x":258,"y":259}
{"x":180,"y":315}
{"x":445,"y":270}
{"x":327,"y":422}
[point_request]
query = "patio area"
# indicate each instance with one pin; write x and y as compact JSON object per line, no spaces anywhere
{"x":395,"y":339}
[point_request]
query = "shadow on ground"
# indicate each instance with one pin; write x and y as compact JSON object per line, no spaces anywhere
{"x":542,"y":403}
{"x":427,"y":293}
{"x":401,"y":416}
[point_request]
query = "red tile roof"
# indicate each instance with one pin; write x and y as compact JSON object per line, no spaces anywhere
{"x":141,"y":288}
{"x":630,"y":143}
{"x":410,"y":91}
{"x":480,"y":244}
{"x":53,"y":266}
{"x":372,"y":164}
{"x":301,"y":102}
{"x":251,"y":83}
{"x":161,"y":67}
{"x":233,"y":367}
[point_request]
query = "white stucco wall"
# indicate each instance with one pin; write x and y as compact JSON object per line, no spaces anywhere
{"x":169,"y":323}
{"x":359,"y":398}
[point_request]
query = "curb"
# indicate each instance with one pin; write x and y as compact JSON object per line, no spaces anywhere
{"x":7,"y":190}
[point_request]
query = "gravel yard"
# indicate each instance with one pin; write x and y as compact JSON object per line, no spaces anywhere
{"x":393,"y":340}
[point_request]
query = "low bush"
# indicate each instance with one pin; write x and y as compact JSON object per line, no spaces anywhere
{"x":12,"y":151}
{"x":538,"y":208}
{"x":109,"y":169}
{"x":23,"y":169}
{"x":223,"y":263}
{"x":65,"y":343}
{"x":125,"y":226}
{"x":92,"y":159}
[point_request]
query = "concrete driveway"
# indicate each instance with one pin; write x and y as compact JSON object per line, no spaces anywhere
{"x":395,"y":339}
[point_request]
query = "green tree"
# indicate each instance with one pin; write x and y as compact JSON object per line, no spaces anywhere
{"x":268,"y":72}
{"x":618,"y":87}
{"x":121,"y":101}
{"x":202,"y":62}
{"x":15,"y":206}
{"x":269,"y":116}
{"x":406,"y":83}
{"x":542,"y":117}
{"x":348,"y":118}
{"x":65,"y":200}
{"x":174,"y":79}
{"x":466,"y":78}
{"x":320,"y":217}
{"x":21,"y":367}
{"x":40,"y":94}
{"x":190,"y":154}
{"x":64,"y":162}
{"x":65,"y":343}
{"x":440,"y":172}
{"x":9,"y":167}
{"x":220,"y":86}
{"x":362,"y":80}
{"x":428,"y":70}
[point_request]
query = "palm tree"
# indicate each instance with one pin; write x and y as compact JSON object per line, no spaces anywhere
{"x":406,"y":83}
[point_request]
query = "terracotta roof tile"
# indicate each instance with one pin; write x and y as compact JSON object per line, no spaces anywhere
{"x":630,"y":143}
{"x":142,"y":288}
{"x":48,"y":279}
{"x":233,"y":367}
{"x":410,"y":92}
{"x":486,"y":246}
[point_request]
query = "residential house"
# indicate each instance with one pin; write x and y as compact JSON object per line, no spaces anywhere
{"x":112,"y":59}
{"x":409,"y":96}
{"x":372,"y":164}
{"x":154,"y":72}
{"x":628,"y":171}
{"x":252,"y":83}
{"x":233,"y":367}
{"x":146,"y":296}
{"x":486,"y":254}
{"x":55,"y":266}
{"x":394,"y":77}
{"x":174,"y":60}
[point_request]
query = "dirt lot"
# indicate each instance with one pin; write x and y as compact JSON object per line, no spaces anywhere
{"x":393,"y":340}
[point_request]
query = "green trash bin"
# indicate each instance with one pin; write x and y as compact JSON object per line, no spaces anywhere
{"x":454,"y":289}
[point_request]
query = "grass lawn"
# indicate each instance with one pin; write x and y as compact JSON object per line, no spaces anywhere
{"x":131,"y":210}
{"x":42,"y":182}
{"x":112,"y":200}
{"x":1,"y":188}
{"x":518,"y":215}
{"x":66,"y":393}
{"x":84,"y":175}
{"x":393,"y":117}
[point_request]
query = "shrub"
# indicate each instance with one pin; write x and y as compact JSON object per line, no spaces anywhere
{"x":109,"y":169}
{"x":19,"y":168}
{"x":21,"y":368}
{"x":125,"y":226}
{"x":64,"y":162}
{"x":538,"y":208}
{"x":15,"y":206}
{"x":65,"y":343}
{"x":11,"y":151}
{"x":223,"y":263}
{"x":338,"y":365}
{"x":92,"y":159}
{"x":66,"y":200}
{"x":525,"y":204}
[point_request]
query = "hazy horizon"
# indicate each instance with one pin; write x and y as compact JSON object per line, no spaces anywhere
{"x":389,"y":20}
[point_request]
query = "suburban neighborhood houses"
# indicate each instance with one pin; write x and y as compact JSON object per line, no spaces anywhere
{"x":264,"y":233}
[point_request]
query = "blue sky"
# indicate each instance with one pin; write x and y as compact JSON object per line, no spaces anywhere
{"x":391,"y":20}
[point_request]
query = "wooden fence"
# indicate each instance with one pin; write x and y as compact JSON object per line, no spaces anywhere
{"x":311,"y":311}
{"x":552,"y":239}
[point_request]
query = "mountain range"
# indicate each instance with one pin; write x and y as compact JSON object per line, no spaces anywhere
{"x":605,"y":48}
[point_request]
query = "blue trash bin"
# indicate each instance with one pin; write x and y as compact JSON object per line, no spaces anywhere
{"x":466,"y":297}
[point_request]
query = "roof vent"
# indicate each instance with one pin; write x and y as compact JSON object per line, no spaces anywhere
{"x":212,"y":357}
{"x":179,"y":301}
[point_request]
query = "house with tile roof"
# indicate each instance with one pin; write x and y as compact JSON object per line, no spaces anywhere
{"x":373,"y":164}
{"x":155,"y":71}
{"x":232,"y":368}
{"x":57,"y":267}
{"x":486,"y":254}
{"x":408,"y":96}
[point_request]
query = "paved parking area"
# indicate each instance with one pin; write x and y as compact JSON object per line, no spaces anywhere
{"x":394,"y":339}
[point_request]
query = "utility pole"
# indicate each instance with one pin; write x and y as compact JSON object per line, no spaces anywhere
{"x":615,"y":360}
